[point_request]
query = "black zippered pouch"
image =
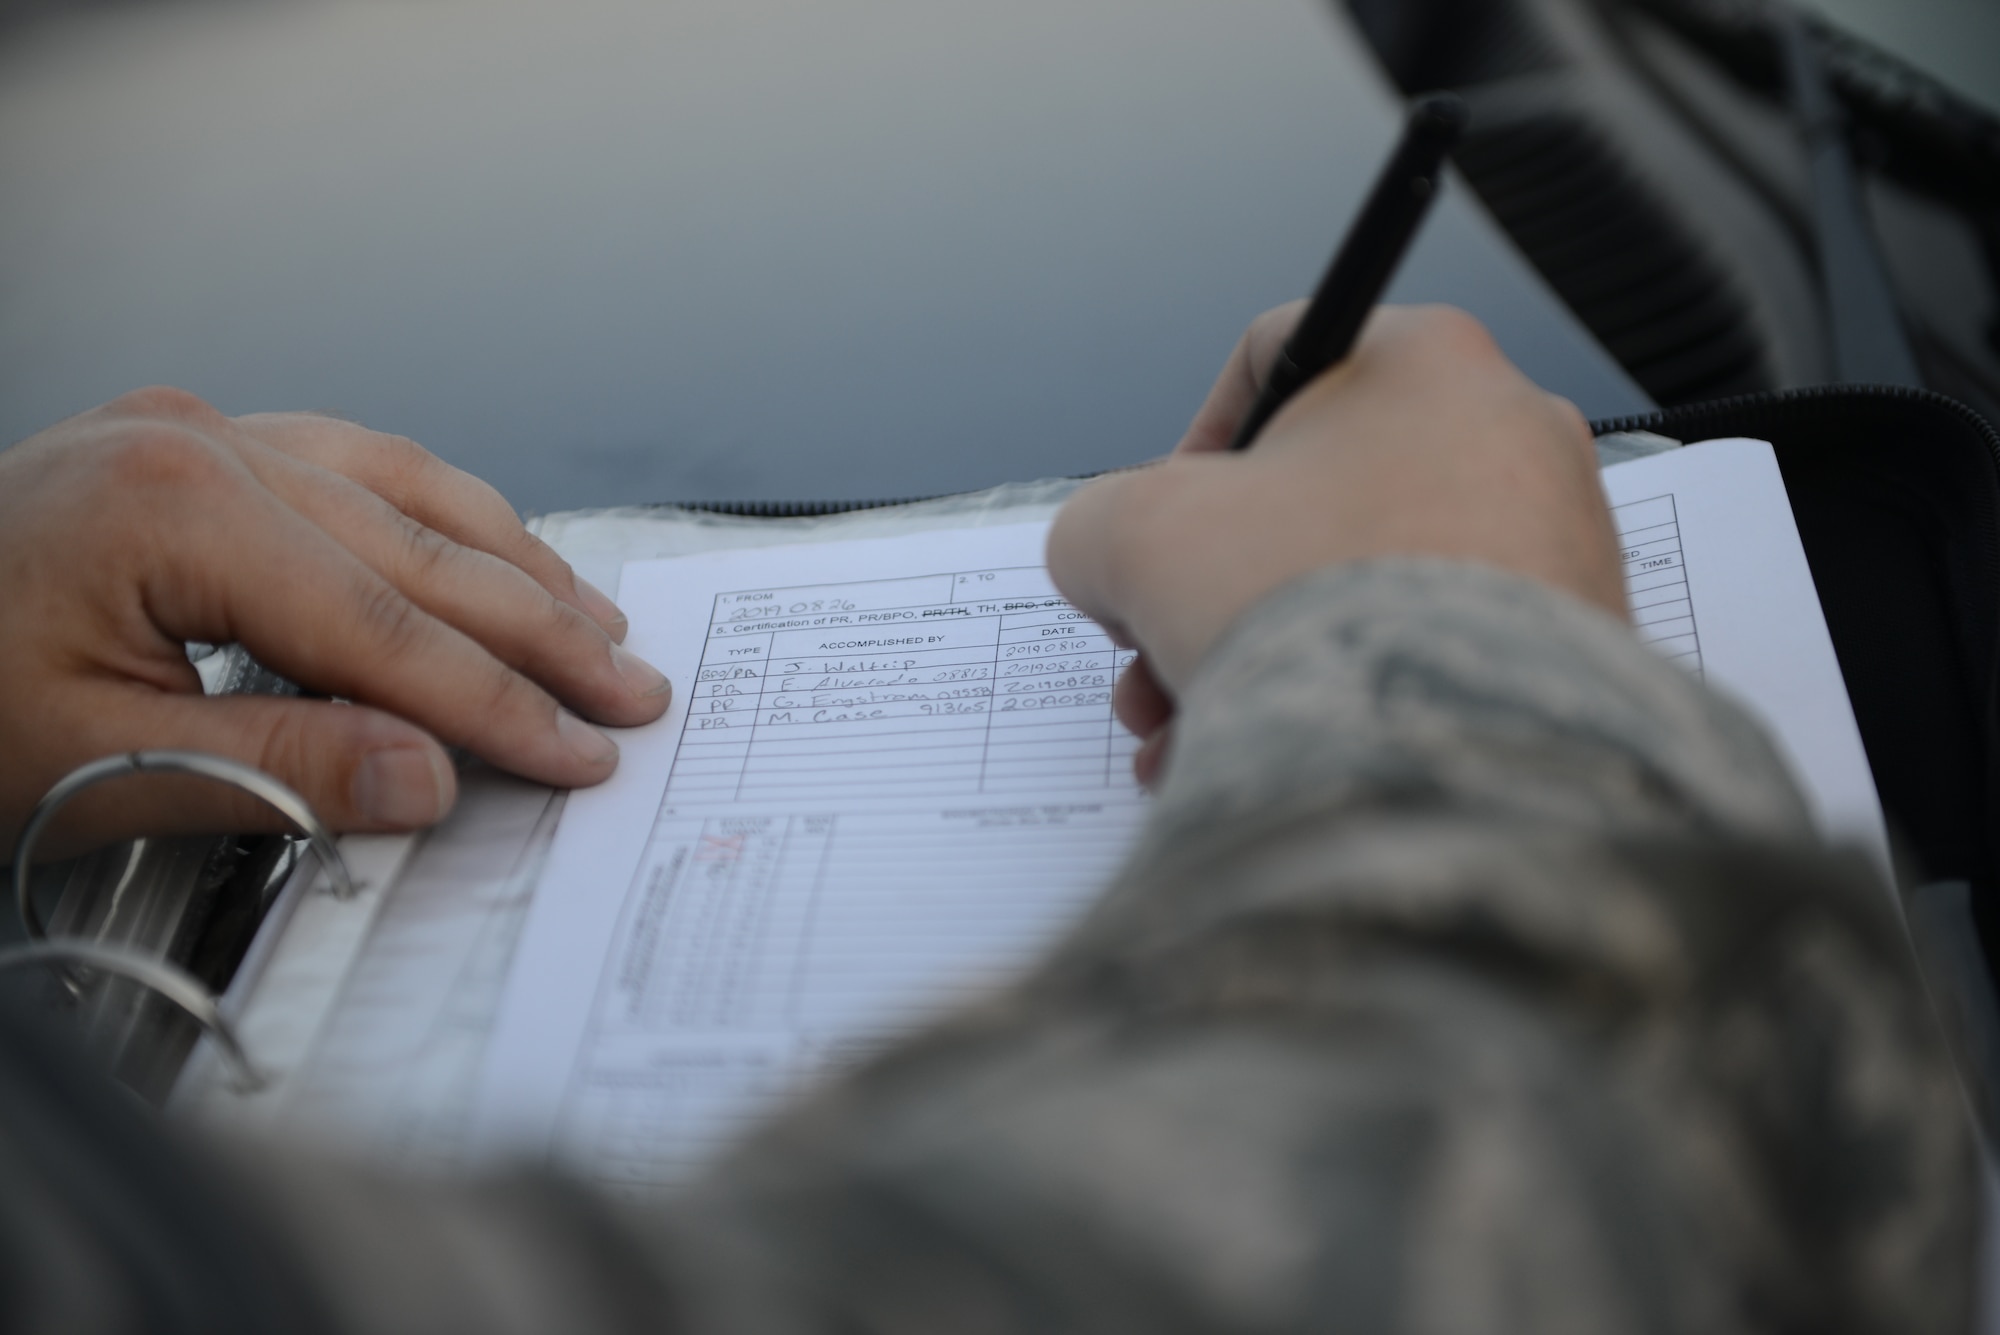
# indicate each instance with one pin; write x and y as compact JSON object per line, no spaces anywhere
{"x":1897,"y":496}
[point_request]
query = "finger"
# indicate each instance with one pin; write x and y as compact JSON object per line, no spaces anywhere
{"x":442,"y":498}
{"x":494,"y":602}
{"x":1151,"y":757}
{"x":1242,"y":379}
{"x":358,"y":768}
{"x":1082,"y":546}
{"x":308,"y":608}
{"x":1139,"y":701}
{"x":1094,"y":556}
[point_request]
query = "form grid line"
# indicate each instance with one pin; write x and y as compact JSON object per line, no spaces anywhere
{"x":1051,"y":690}
{"x":1655,"y":547}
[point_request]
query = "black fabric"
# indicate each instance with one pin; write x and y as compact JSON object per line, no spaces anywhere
{"x":1897,"y":496}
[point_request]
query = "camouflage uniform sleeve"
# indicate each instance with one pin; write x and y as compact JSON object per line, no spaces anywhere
{"x":1477,"y":971}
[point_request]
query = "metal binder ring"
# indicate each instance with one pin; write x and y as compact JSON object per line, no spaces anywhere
{"x":246,"y":777}
{"x":170,"y":981}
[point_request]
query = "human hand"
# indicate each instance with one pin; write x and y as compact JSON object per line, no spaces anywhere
{"x":1426,"y":441}
{"x":352,"y":562}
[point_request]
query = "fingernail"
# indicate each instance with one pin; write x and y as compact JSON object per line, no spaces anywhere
{"x":602,"y":609}
{"x":585,"y":742}
{"x":401,"y":786}
{"x":641,"y":676}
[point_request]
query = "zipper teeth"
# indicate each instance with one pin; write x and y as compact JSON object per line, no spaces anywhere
{"x":1766,"y":400}
{"x":1637,"y":422}
{"x":792,"y":509}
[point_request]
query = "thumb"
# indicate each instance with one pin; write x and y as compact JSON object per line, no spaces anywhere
{"x":358,"y":768}
{"x":1241,"y":381}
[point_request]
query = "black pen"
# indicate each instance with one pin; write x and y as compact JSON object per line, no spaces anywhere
{"x":1366,"y":260}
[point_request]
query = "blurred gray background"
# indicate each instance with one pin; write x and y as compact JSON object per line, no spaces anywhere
{"x":611,"y":251}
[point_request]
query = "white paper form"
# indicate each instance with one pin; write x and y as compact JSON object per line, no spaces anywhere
{"x":1718,"y":582}
{"x":890,"y":777}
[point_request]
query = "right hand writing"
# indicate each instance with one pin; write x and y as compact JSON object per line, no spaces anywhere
{"x":1426,"y":441}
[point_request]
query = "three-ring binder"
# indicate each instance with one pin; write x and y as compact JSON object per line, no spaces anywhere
{"x":161,"y":976}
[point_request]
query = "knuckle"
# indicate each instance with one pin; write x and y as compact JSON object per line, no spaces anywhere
{"x":389,"y":619}
{"x":562,"y":623}
{"x":158,"y":456}
{"x":288,"y":750}
{"x":399,"y":465}
{"x":1455,"y":332}
{"x":500,"y":692}
{"x":494,"y":518}
{"x":164,"y":401}
{"x":483,"y":495}
{"x":559,"y":569}
{"x":426,"y":556}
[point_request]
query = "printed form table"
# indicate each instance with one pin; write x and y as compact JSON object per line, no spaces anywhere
{"x":947,"y":685}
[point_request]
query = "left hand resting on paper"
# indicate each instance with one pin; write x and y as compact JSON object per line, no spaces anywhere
{"x":354,"y":563}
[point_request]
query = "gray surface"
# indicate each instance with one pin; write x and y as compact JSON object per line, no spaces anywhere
{"x":613,"y":251}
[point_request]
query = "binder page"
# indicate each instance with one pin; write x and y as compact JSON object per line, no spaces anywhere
{"x":1718,"y":581}
{"x":890,"y":776}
